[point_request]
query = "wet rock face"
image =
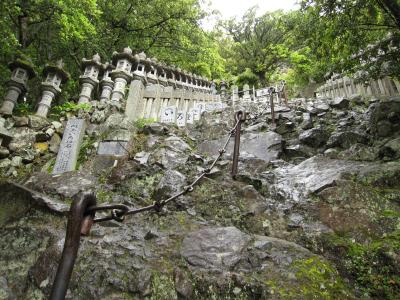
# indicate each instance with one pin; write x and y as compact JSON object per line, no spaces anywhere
{"x":266,"y":146}
{"x":281,"y":229}
{"x":214,"y":248}
{"x":346,"y":139}
{"x":312,"y":176}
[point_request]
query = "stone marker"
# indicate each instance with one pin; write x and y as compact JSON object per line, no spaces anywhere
{"x":168,"y":115}
{"x":69,"y":148}
{"x":190,"y":117}
{"x":201,"y":107}
{"x":181,"y":119}
{"x":218,"y":105}
{"x":115,"y":148}
{"x":209,"y":107}
{"x":196,"y":114}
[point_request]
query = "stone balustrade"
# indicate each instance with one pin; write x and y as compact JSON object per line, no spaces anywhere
{"x":338,"y":86}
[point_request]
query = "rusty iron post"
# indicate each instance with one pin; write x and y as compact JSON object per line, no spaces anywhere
{"x":79,"y":222}
{"x":271,"y":99}
{"x":240,"y":117}
{"x":284,"y":93}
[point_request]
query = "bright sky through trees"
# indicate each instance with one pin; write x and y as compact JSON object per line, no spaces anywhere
{"x":232,"y":8}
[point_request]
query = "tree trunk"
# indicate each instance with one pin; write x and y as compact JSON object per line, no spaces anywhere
{"x":23,"y":30}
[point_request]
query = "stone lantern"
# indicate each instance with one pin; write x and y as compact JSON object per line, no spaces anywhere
{"x":140,"y":69}
{"x":89,"y":79}
{"x":179,"y":78}
{"x":152,"y":76}
{"x":213,"y":87}
{"x":22,"y":71}
{"x":223,"y":89}
{"x":54,"y":77}
{"x":106,"y":83}
{"x":185,"y":80}
{"x":172,"y":77}
{"x":162,"y":78}
{"x":190,"y":81}
{"x":122,"y":73}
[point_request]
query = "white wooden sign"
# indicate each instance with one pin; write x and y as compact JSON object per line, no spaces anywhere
{"x":190,"y":117}
{"x":168,"y":114}
{"x":181,"y":118}
{"x":201,"y":107}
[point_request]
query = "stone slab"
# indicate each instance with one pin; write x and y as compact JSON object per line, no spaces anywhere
{"x":68,"y":153}
{"x":115,"y":148}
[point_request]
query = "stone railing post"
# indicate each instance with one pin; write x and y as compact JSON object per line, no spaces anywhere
{"x":136,"y":103}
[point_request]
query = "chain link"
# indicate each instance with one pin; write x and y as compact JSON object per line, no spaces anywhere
{"x":119,"y":211}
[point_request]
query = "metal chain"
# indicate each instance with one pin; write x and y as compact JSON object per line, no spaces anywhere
{"x":119,"y":211}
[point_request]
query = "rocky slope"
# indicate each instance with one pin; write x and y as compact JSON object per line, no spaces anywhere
{"x":313,"y":213}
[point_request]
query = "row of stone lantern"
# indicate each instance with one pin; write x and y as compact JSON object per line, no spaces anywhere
{"x":115,"y":76}
{"x":22,"y":71}
{"x":126,"y":67}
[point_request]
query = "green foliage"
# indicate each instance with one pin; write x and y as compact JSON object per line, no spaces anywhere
{"x":163,"y":287}
{"x":315,"y":279}
{"x":23,"y":109}
{"x":69,"y":107}
{"x":256,"y":43}
{"x":247,"y":77}
{"x":141,"y":123}
{"x":372,"y":264}
{"x":85,"y":150}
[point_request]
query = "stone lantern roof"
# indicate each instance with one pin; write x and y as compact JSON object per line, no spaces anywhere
{"x":95,"y":61}
{"x":142,"y":56}
{"x":125,"y":54}
{"x":108,"y":66}
{"x":57,"y":69}
{"x":24,"y":64}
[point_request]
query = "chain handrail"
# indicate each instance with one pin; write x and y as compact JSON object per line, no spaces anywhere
{"x":119,"y":211}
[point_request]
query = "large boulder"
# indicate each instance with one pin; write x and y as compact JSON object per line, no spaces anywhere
{"x":385,"y":117}
{"x":391,"y":150}
{"x":215,"y":248}
{"x":315,"y":137}
{"x":340,"y":103}
{"x":346,"y":139}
